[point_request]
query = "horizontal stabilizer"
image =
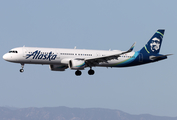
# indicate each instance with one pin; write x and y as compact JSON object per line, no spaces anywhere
{"x":157,"y":57}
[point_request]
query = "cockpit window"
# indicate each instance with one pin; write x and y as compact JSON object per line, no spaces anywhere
{"x":13,"y":51}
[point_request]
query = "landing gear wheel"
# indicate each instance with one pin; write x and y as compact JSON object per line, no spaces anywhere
{"x":78,"y":73}
{"x":22,"y":65}
{"x":91,"y":72}
{"x":21,"y":70}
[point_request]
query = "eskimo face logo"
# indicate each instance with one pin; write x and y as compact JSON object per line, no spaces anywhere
{"x":40,"y":55}
{"x":155,"y":44}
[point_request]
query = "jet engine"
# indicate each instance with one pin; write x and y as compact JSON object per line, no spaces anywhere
{"x":58,"y":67}
{"x":77,"y":64}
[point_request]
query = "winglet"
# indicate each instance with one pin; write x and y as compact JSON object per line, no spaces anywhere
{"x":132,"y":47}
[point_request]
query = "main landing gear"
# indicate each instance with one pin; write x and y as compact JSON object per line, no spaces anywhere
{"x":22,"y":70}
{"x":78,"y":73}
{"x":90,"y":72}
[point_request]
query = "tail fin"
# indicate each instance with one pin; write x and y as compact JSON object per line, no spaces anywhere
{"x":154,"y":44}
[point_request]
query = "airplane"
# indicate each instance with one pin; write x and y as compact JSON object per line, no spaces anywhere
{"x":78,"y":59}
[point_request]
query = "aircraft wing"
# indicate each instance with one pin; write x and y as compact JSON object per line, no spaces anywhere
{"x":97,"y":60}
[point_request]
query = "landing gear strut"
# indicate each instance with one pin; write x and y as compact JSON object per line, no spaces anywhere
{"x":22,"y":70}
{"x":78,"y":73}
{"x":91,"y":72}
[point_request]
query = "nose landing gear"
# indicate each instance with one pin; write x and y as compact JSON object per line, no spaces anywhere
{"x":22,"y":70}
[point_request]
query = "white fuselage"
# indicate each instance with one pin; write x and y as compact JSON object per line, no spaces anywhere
{"x":58,"y":56}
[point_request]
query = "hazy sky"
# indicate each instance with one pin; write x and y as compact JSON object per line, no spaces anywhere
{"x":92,"y":24}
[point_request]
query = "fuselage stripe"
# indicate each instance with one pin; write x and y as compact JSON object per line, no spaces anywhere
{"x":159,"y":33}
{"x":146,"y":49}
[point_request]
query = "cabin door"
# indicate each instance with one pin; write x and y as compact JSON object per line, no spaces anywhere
{"x":140,"y":57}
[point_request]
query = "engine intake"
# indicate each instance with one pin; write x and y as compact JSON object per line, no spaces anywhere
{"x":77,"y":64}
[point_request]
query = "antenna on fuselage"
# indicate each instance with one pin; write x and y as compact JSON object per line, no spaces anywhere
{"x":23,"y":45}
{"x":75,"y":47}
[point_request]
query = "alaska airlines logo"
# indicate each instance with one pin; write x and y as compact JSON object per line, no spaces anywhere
{"x":39,"y":55}
{"x":155,"y":44}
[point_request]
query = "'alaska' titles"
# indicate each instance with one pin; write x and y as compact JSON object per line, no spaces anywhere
{"x":39,"y":55}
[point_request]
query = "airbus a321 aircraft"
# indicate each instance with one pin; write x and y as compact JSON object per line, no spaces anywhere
{"x":78,"y":59}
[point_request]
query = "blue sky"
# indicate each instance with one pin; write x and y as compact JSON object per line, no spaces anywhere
{"x":93,"y":24}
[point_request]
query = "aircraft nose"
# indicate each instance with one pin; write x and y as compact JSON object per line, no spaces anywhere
{"x":6,"y":57}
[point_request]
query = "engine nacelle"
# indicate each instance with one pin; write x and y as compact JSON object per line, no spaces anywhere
{"x":58,"y":67}
{"x":77,"y":64}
